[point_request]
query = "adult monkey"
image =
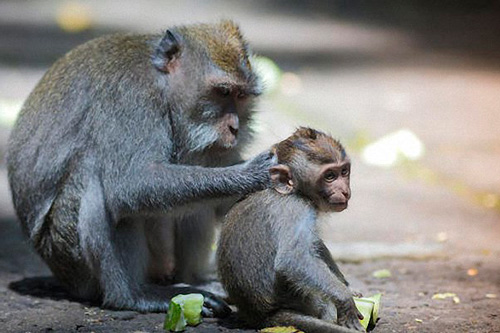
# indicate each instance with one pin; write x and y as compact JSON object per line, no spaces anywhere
{"x":119,"y":153}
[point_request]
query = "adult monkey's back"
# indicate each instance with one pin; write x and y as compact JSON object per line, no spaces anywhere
{"x":122,"y":153}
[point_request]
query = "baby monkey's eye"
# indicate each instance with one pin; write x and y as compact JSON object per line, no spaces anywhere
{"x":242,"y":95}
{"x":330,"y":176}
{"x":345,"y":172}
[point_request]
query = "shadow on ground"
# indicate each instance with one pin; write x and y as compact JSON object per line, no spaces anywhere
{"x":42,"y":287}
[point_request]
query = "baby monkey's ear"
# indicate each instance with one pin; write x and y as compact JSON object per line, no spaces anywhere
{"x":281,"y":179}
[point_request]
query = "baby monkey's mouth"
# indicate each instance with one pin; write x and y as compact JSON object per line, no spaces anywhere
{"x":339,"y":206}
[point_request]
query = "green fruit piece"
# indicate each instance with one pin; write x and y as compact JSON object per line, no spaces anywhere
{"x":369,"y":308}
{"x":174,"y":321}
{"x":191,"y":304}
{"x":376,"y":306}
{"x":366,"y":308}
{"x":182,"y":310}
{"x":382,"y":273}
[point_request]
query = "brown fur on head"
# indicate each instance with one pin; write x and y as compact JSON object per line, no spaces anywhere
{"x":317,"y":146}
{"x":223,"y":43}
{"x":314,"y":165}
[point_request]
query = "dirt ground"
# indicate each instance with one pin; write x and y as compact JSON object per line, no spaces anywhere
{"x":360,"y":73}
{"x":33,"y":302}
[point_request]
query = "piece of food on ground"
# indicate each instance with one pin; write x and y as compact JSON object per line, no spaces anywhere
{"x":183,"y":310}
{"x":369,"y":308}
{"x":382,"y":274}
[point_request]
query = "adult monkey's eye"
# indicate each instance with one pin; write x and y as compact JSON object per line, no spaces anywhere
{"x":223,"y":91}
{"x":330,"y":176}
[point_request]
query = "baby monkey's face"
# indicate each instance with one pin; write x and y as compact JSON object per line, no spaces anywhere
{"x":315,"y":166}
{"x":332,"y":186}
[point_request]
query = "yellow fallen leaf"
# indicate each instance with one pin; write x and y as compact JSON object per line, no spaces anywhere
{"x":490,"y":200}
{"x":280,"y":329}
{"x":441,"y":296}
{"x":486,"y":252}
{"x":472,"y":272}
{"x":419,"y":320}
{"x":491,"y":296}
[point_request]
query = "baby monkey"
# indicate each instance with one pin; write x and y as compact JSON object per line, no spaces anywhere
{"x":271,"y":261}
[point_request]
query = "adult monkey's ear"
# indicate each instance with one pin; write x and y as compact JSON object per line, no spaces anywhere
{"x":166,"y":55}
{"x":281,"y":179}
